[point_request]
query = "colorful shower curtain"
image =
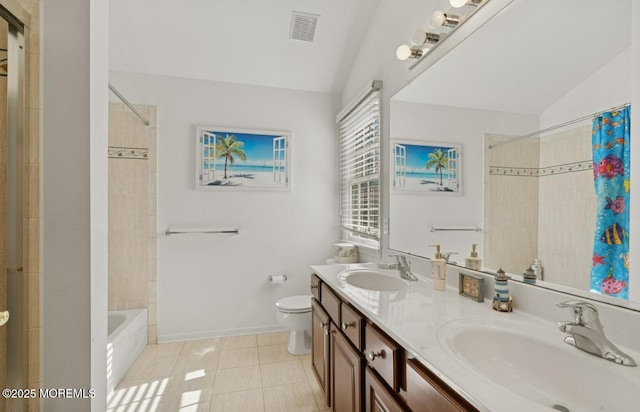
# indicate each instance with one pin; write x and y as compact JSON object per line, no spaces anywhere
{"x":610,"y":269}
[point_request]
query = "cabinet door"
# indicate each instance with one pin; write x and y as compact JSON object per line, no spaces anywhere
{"x":378,"y":397}
{"x":346,"y":374}
{"x":320,"y":348}
{"x":426,"y":392}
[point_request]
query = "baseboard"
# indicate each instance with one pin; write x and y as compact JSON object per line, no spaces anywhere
{"x":178,"y":337}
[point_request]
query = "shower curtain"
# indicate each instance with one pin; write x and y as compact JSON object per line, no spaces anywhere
{"x":610,"y":138}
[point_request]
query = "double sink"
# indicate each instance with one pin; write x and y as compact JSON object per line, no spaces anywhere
{"x":528,"y":363}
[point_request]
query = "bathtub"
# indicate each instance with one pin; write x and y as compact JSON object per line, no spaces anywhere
{"x":126,"y":339}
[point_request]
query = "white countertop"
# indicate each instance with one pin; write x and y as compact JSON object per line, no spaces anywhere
{"x":414,"y":317}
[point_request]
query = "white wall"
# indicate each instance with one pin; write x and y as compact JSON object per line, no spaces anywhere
{"x":217,"y":284}
{"x":74,"y":236}
{"x":607,"y":87}
{"x":412,"y":214}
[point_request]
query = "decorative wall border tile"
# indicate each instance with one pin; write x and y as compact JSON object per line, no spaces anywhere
{"x":543,"y":171}
{"x":128,"y":153}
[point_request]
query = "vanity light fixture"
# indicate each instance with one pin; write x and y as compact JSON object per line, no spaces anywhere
{"x":460,"y":3}
{"x":442,"y":24}
{"x":419,"y":44}
{"x":439,"y":18}
{"x":421,"y":38}
{"x":404,"y":52}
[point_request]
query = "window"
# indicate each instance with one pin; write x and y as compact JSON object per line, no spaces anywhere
{"x":359,"y":128}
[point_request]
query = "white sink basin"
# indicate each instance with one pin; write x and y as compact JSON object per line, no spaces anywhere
{"x":537,"y":365}
{"x":374,"y":279}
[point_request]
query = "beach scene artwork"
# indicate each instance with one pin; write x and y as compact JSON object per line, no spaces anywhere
{"x":242,"y":158}
{"x":426,"y":167}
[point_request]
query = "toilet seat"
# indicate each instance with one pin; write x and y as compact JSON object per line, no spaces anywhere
{"x":294,"y":304}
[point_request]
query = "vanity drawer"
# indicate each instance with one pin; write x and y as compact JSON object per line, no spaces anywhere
{"x":331,"y":302}
{"x":315,"y":286}
{"x":425,"y":391}
{"x":352,"y":325}
{"x":383,"y":355}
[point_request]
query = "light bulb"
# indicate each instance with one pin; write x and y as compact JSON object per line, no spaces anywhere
{"x":403,"y":52}
{"x":419,"y":37}
{"x":457,"y":3}
{"x":437,"y":19}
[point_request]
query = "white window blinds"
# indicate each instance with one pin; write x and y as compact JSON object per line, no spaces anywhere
{"x":359,"y":132}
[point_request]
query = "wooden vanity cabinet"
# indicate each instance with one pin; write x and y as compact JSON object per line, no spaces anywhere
{"x":426,"y":392}
{"x":346,"y":374}
{"x":360,"y":368}
{"x":320,"y":331}
{"x":378,"y":397}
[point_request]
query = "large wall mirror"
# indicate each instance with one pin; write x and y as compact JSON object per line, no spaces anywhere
{"x":534,"y":66}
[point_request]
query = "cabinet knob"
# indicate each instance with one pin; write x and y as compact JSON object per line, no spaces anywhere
{"x":346,"y":325}
{"x":372,"y":355}
{"x":314,"y":286}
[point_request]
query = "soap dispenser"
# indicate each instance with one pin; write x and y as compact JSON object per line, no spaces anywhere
{"x":438,"y":270}
{"x":473,"y":261}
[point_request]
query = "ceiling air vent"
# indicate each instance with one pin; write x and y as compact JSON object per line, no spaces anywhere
{"x":303,"y":26}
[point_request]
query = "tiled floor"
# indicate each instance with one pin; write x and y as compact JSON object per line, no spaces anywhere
{"x":253,"y":373}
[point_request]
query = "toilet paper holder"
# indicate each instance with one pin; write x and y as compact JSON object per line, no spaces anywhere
{"x":272,"y":278}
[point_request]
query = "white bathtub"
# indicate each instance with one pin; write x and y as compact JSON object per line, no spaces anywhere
{"x":127,"y":338}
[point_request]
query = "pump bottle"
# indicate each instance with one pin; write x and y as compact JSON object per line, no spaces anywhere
{"x":438,"y":270}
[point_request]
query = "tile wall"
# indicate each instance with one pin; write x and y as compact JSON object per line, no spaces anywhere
{"x":539,"y":203}
{"x":510,"y":204}
{"x":567,"y":212}
{"x":133,"y":212}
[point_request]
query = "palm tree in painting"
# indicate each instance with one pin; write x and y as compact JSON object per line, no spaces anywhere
{"x":439,"y":159}
{"x":230,"y":148}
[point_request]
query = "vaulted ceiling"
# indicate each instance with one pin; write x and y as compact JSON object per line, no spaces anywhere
{"x":528,"y":56}
{"x":238,"y":41}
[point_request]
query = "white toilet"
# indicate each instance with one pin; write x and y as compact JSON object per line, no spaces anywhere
{"x":294,"y":314}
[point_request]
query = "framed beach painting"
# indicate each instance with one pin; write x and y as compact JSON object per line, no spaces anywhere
{"x":242,"y":159}
{"x":426,"y":167}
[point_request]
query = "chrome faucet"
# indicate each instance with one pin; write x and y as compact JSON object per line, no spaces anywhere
{"x":447,"y":255}
{"x":586,"y":333}
{"x":404,"y":267}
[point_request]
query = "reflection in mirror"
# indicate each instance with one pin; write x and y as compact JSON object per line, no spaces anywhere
{"x":510,"y":79}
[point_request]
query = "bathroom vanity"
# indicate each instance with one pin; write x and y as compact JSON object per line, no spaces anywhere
{"x":385,"y":343}
{"x":358,"y":365}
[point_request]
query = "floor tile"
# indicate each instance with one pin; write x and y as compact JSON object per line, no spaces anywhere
{"x":192,"y":363}
{"x":201,"y":347}
{"x":305,"y":361}
{"x":233,"y":358}
{"x":319,"y":395}
{"x":277,"y":338}
{"x":191,"y":384}
{"x":162,"y":349}
{"x":150,"y":368}
{"x":145,"y":405}
{"x":185,"y":404}
{"x":235,"y":342}
{"x":281,"y":373}
{"x":237,"y":379}
{"x":251,"y":373}
{"x":238,"y":402}
{"x":275,"y":353}
{"x":294,"y":398}
{"x":133,"y":391}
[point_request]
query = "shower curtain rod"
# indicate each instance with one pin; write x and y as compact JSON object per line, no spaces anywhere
{"x":558,"y":126}
{"x":125,"y":101}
